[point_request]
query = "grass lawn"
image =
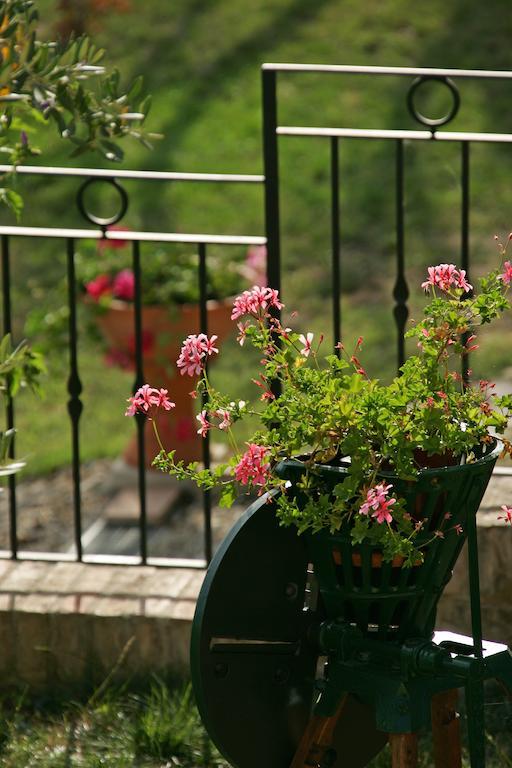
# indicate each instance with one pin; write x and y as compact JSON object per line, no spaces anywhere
{"x":44,"y":436}
{"x":155,"y":728}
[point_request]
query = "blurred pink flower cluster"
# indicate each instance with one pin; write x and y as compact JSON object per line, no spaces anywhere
{"x":121,"y":286}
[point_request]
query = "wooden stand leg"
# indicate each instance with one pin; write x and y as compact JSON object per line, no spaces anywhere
{"x":404,"y":750}
{"x":317,"y":739}
{"x":446,"y":730}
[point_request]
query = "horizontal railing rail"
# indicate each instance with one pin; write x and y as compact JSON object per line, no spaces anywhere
{"x":106,"y":173}
{"x":132,"y":236}
{"x":369,"y":133}
{"x":348,"y":69}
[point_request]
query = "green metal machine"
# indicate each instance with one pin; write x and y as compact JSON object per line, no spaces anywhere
{"x":303,"y":655}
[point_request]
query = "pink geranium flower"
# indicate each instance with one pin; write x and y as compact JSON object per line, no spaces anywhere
{"x":209,"y":345}
{"x":255,"y":301}
{"x":99,"y":287}
{"x":161,"y":400}
{"x":242,"y":328}
{"x":507,"y":514}
{"x":378,"y":504}
{"x":462,"y":282}
{"x":306,"y":342}
{"x":144,"y":397}
{"x":272,"y":297}
{"x":195,"y":350}
{"x":147,"y":397}
{"x":507,"y":274}
{"x":123,"y":286}
{"x":205,"y":424}
{"x":446,"y":276}
{"x":225,"y":417}
{"x":253,"y":468}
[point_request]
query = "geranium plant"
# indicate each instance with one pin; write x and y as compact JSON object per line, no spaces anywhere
{"x":329,"y":410}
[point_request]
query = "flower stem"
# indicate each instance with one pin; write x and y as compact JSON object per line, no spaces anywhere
{"x":157,"y":435}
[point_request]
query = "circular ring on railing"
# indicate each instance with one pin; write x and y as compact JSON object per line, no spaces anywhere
{"x":102,"y":221}
{"x":433,"y":122}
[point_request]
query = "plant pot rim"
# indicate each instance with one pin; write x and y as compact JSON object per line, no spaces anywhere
{"x":491,"y":455}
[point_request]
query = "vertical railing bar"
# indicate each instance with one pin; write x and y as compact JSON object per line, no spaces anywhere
{"x":335,"y":244}
{"x":271,"y":171}
{"x":75,"y":405}
{"x":474,"y":586}
{"x":465,"y":239}
{"x":400,"y":290}
{"x":140,"y":418}
{"x":9,"y":405}
{"x":203,"y":326}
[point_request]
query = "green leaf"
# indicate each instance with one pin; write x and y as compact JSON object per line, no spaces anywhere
{"x":227,"y":496}
{"x":135,"y":89}
{"x":13,"y":200}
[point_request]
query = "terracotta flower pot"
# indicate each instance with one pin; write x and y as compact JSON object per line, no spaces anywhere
{"x":163,"y":331}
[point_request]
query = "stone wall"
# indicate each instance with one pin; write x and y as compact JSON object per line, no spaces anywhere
{"x":65,"y":625}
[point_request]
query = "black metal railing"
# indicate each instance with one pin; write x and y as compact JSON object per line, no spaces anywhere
{"x":273,"y":133}
{"x":74,"y":383}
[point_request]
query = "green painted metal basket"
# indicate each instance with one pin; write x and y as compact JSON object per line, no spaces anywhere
{"x":384,"y":599}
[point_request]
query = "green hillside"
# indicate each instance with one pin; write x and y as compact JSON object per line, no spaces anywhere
{"x":201,"y":62}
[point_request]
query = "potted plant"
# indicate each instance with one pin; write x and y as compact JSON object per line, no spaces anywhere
{"x":170,"y":309}
{"x":380,"y":478}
